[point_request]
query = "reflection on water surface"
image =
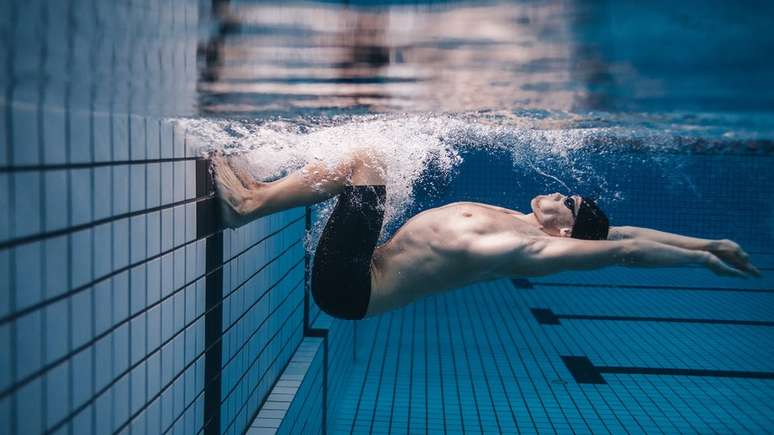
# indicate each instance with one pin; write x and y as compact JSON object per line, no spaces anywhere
{"x":550,"y":55}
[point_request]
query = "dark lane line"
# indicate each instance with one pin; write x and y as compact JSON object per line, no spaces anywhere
{"x":545,"y":316}
{"x":522,"y":283}
{"x":585,"y":372}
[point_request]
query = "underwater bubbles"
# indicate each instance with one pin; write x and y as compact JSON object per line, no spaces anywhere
{"x":561,"y":151}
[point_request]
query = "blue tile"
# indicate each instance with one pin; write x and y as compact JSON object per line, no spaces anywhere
{"x":167,"y":319}
{"x":57,"y":391}
{"x":120,"y":349}
{"x":54,"y":136}
{"x":179,"y":181}
{"x":154,"y":373}
{"x":5,"y":357}
{"x":82,"y":375}
{"x":138,"y":338}
{"x":137,"y":382}
{"x":103,"y":357}
{"x":138,"y":238}
{"x":167,"y":145}
{"x":121,"y":401}
{"x":154,"y":233}
{"x":104,"y":413}
{"x":56,"y":260}
{"x":25,"y":135}
{"x":178,"y":225}
{"x":120,"y":137}
{"x":102,"y":191}
{"x":80,"y":142}
{"x":137,"y":133}
{"x":154,"y":281}
{"x":167,"y":231}
{"x":82,"y":422}
{"x":120,"y":243}
{"x":120,"y":289}
{"x":28,"y":344}
{"x":153,"y":416}
{"x":153,"y":136}
{"x":103,"y":238}
{"x":138,"y":424}
{"x":102,"y":151}
{"x":29,"y":419}
{"x":153,"y":185}
{"x":139,"y":286}
{"x":178,"y":141}
{"x":55,"y":188}
{"x":5,"y":205}
{"x":120,"y":189}
{"x":137,"y":188}
{"x":81,"y":317}
{"x":26,"y":207}
{"x":167,"y":181}
{"x":81,"y":257}
{"x":28,"y":274}
{"x":190,"y":179}
{"x":178,"y":257}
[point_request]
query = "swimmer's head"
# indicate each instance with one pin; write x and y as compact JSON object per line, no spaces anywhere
{"x":570,"y":216}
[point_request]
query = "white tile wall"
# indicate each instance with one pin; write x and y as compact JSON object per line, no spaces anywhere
{"x":25,"y":135}
{"x":120,"y":335}
{"x":80,"y":140}
{"x":54,"y":150}
{"x":56,"y":263}
{"x":26,"y":205}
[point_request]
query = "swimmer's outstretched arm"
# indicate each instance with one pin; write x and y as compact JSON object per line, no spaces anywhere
{"x":572,"y":254}
{"x":247,"y":199}
{"x":727,"y":250}
{"x":516,"y":256}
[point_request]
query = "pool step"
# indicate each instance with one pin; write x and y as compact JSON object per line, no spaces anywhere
{"x":295,"y":403}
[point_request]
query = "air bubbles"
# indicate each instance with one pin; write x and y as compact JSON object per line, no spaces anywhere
{"x":563,"y":149}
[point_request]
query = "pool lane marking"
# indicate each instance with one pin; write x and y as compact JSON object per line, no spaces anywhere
{"x":585,"y":372}
{"x":546,"y":316}
{"x":522,"y":284}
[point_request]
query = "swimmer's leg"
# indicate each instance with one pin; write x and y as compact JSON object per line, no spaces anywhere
{"x":247,"y":199}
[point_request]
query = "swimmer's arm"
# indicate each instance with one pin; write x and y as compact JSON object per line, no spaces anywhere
{"x":727,"y":250}
{"x":685,"y":242}
{"x":554,"y":254}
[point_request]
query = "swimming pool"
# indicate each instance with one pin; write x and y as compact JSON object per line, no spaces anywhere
{"x":125,"y":307}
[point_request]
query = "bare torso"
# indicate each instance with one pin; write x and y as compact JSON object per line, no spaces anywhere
{"x":429,"y":254}
{"x":465,"y":242}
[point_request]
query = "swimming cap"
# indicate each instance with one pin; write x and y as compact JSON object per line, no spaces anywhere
{"x":591,"y":222}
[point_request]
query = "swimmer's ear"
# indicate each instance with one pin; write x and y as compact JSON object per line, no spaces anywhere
{"x":565,"y":232}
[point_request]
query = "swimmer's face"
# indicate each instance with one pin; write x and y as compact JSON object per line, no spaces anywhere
{"x":553,"y":213}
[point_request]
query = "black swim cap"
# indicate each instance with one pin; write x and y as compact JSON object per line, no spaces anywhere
{"x":591,"y":222}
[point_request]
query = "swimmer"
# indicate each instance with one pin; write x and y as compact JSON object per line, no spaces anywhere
{"x":450,"y":246}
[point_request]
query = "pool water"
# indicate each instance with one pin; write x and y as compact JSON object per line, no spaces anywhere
{"x":126,"y":308}
{"x":663,"y":112}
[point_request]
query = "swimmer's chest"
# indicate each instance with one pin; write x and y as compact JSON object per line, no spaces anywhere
{"x":492,"y":220}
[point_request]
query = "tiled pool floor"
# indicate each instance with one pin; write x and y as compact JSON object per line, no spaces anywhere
{"x":675,"y":350}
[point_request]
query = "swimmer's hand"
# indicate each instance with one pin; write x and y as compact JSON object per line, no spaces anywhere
{"x":729,"y":253}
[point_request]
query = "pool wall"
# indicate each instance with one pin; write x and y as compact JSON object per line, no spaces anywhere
{"x":123,"y":306}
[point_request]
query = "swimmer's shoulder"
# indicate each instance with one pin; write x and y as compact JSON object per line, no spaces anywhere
{"x":482,"y":205}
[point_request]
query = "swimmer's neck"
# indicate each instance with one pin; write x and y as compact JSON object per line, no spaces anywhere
{"x":528,"y":218}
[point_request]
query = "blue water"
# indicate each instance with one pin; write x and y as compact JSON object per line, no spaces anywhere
{"x":661,"y":111}
{"x":125,"y":309}
{"x":666,"y":106}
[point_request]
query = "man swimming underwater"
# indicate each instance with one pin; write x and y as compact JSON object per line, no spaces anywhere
{"x":453,"y":245}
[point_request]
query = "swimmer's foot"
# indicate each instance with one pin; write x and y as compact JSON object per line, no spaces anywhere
{"x":243,"y":174}
{"x":234,"y":197}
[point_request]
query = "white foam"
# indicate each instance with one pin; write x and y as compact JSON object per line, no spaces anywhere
{"x":410,"y":144}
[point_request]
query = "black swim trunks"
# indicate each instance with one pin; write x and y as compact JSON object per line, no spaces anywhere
{"x":341,"y":274}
